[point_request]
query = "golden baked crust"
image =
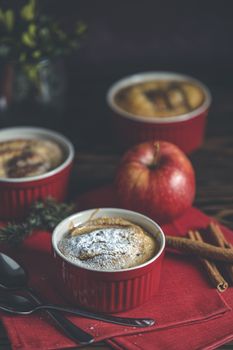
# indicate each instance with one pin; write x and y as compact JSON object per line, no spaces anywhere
{"x":109,"y":243}
{"x":28,"y":157}
{"x":161,"y":98}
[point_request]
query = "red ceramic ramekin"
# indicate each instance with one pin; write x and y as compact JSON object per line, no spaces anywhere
{"x":108,"y":291}
{"x":16,"y":194}
{"x":185,"y":130}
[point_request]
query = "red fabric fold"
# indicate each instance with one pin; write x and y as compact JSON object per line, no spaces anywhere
{"x":199,"y":336}
{"x":185,"y":298}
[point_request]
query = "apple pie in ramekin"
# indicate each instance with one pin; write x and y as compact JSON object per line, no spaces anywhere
{"x":159,"y":105}
{"x":35,"y":163}
{"x":109,"y":259}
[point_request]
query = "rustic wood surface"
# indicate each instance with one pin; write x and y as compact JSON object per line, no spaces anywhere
{"x":214,"y":169}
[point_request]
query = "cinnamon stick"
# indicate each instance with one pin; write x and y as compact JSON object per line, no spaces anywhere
{"x":202,"y":249}
{"x":211,"y":269}
{"x":218,"y":236}
{"x":220,"y":240}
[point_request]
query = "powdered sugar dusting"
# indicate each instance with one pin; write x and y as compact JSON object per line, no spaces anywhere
{"x":109,"y":248}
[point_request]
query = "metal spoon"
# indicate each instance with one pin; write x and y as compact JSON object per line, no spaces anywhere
{"x":14,"y":277}
{"x":19,"y":305}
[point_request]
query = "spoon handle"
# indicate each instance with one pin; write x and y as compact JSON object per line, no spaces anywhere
{"x":72,"y":331}
{"x":125,"y":321}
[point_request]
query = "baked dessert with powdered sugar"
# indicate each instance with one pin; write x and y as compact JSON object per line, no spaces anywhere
{"x":108,"y":243}
{"x":28,"y":157}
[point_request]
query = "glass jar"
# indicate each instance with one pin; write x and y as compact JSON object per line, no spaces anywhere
{"x":32,"y":94}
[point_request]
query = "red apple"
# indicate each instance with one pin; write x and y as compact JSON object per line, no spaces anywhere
{"x":156,"y":178}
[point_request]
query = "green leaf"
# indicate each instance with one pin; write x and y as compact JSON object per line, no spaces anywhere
{"x":28,"y":11}
{"x":2,"y":16}
{"x":36,"y":54}
{"x":7,"y":19}
{"x":44,"y":33}
{"x":80,"y":28}
{"x":40,"y":34}
{"x":28,"y":39}
{"x":31,"y":71}
{"x":74,"y":44}
{"x":32,"y":29}
{"x":22,"y":57}
{"x":61,"y":35}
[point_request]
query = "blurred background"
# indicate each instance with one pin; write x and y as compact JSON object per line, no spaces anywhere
{"x":126,"y":37}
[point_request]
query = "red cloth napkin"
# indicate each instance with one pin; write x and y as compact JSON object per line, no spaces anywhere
{"x":185,"y":297}
{"x":203,"y":336}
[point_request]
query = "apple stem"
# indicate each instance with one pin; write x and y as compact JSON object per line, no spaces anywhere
{"x":156,"y":155}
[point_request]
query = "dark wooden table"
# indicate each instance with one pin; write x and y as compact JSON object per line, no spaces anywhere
{"x":214,"y":169}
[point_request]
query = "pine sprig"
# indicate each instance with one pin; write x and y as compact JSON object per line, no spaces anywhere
{"x":14,"y":233}
{"x":42,"y":216}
